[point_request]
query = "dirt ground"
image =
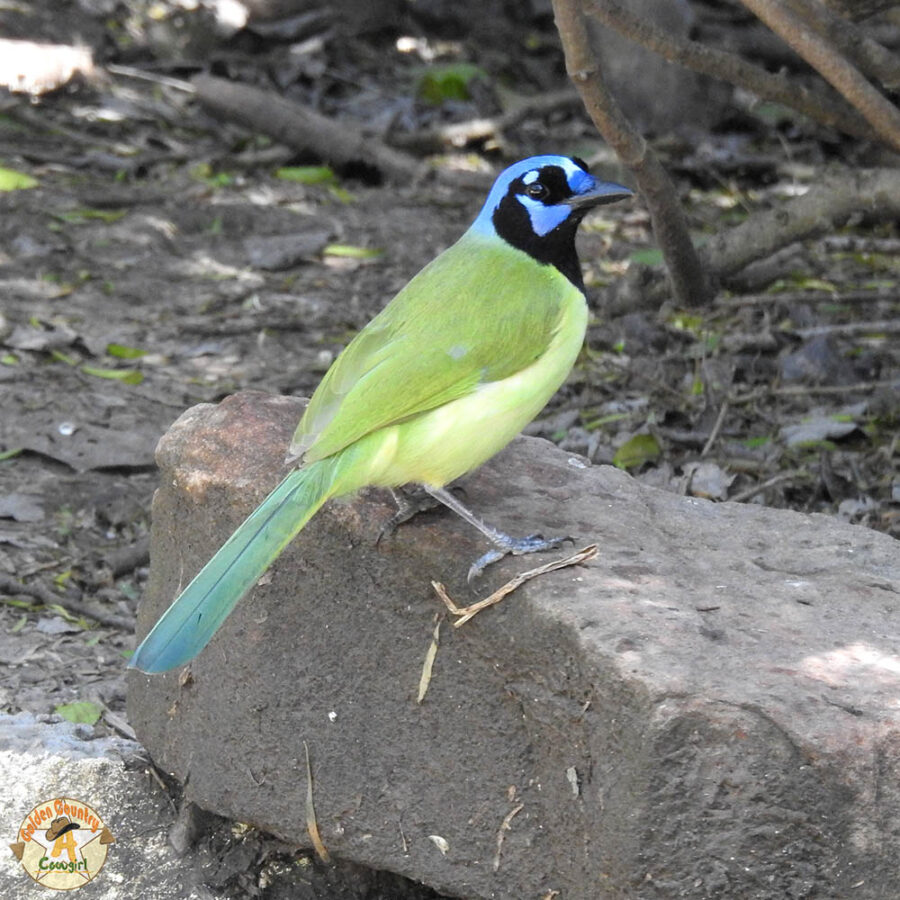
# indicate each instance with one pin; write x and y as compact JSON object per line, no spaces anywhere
{"x":159,"y":261}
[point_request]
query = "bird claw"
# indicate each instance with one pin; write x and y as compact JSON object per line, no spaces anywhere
{"x":532,"y":543}
{"x":476,"y":570}
{"x":387,"y":529}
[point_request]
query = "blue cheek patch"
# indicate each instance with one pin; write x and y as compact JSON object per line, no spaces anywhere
{"x":544,"y":218}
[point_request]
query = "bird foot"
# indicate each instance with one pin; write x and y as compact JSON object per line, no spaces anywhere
{"x":410,"y":502}
{"x":510,"y":546}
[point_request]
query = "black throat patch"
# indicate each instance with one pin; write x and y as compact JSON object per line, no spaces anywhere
{"x":556,"y":248}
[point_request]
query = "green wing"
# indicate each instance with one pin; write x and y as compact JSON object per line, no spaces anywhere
{"x":478,"y":313}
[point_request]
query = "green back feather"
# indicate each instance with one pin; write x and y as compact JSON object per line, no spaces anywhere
{"x":480,"y":312}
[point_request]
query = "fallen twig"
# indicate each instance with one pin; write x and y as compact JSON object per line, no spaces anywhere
{"x":178,"y":84}
{"x":465,"y":613}
{"x":337,"y":142}
{"x":119,"y":724}
{"x":47,"y":597}
{"x":714,"y":434}
{"x":818,"y":211}
{"x":860,"y":243}
{"x":751,"y":492}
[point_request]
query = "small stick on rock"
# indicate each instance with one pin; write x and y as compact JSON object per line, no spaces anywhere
{"x":428,"y":665}
{"x":312,"y":825}
{"x":501,"y":834}
{"x":466,"y":612}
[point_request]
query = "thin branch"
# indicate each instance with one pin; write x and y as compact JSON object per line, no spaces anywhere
{"x":126,"y":559}
{"x":178,"y":84}
{"x":689,"y":282}
{"x":751,"y":492}
{"x":826,"y":108}
{"x":827,"y":60}
{"x":870,"y":57}
{"x":717,"y":428}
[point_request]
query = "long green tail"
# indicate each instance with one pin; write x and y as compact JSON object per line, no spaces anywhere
{"x":188,"y":625}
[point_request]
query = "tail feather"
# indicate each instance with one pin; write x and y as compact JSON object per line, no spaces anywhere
{"x":195,"y":616}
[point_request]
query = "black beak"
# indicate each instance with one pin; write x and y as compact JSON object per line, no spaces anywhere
{"x":604,"y":192}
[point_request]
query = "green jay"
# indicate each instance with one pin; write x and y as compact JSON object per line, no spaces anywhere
{"x":445,"y":376}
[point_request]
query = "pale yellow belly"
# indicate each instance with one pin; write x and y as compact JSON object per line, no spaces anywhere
{"x":438,"y":446}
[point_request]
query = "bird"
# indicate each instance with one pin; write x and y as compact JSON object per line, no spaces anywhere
{"x":446,"y":375}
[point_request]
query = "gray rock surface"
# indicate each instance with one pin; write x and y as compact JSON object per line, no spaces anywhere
{"x":710,"y":709}
{"x":41,"y":759}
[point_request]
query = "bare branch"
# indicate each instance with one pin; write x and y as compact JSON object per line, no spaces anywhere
{"x":827,"y":60}
{"x":870,"y":57}
{"x":685,"y":271}
{"x":338,"y":143}
{"x":818,"y":211}
{"x":827,"y":108}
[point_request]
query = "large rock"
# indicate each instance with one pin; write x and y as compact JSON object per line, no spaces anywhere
{"x":710,"y":709}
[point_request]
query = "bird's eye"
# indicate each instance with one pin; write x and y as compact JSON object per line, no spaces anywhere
{"x":537,"y":191}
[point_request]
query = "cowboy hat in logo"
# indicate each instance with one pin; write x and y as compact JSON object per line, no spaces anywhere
{"x":62,"y":843}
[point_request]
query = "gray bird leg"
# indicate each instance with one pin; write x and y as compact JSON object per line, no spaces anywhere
{"x":410,"y":502}
{"x":503,"y":543}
